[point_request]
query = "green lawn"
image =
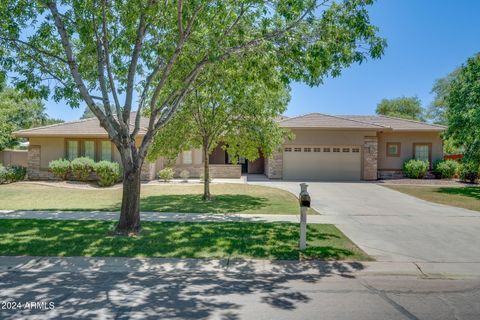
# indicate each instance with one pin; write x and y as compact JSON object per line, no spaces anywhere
{"x":463,"y":197}
{"x":228,"y":198}
{"x":175,"y":239}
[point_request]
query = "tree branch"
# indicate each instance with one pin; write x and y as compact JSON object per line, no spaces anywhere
{"x":72,"y":64}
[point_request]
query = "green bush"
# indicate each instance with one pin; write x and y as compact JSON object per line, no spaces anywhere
{"x":82,"y":168}
{"x":166,"y":174}
{"x":415,"y":169}
{"x":60,"y":168}
{"x":469,"y":172}
{"x":445,"y":169}
{"x":108,"y":173}
{"x":12,"y":174}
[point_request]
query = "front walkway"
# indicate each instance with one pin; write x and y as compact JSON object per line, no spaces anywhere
{"x":158,"y":216}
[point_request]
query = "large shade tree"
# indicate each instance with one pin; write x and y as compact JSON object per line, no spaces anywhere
{"x":463,"y":109}
{"x":403,"y":107}
{"x":19,"y":111}
{"x":235,"y":105}
{"x":145,"y":56}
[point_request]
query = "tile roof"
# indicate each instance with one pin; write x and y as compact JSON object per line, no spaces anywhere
{"x":398,"y":124}
{"x":86,"y":127}
{"x":319,"y":120}
{"x":91,"y":127}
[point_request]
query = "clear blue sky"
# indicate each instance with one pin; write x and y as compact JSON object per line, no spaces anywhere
{"x":426,"y":40}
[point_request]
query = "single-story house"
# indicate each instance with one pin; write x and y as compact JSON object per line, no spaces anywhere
{"x":325,"y":147}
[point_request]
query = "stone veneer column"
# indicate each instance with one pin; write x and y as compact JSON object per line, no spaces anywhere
{"x":33,"y":163}
{"x":274,"y":165}
{"x":148,"y":171}
{"x":370,"y":158}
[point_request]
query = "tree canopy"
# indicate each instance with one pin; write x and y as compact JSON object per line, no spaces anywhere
{"x":463,"y":109}
{"x":235,"y":104}
{"x":441,"y":88}
{"x":403,"y":107}
{"x":107,"y":52}
{"x":19,"y":112}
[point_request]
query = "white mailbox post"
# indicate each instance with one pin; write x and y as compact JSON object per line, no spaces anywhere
{"x":304,"y":199}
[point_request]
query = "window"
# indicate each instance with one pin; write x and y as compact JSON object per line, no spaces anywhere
{"x":106,"y":150}
{"x":89,"y":149}
{"x":297,"y":149}
{"x":336,"y":149}
{"x":187,"y":157}
{"x":307,"y":149}
{"x":326,"y":149}
{"x":356,"y":150}
{"x":421,"y":151}
{"x":288,"y":149}
{"x":72,"y":149}
{"x":317,"y":149}
{"x":393,"y":149}
{"x":346,"y":150}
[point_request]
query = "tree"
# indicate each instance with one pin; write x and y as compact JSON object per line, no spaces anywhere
{"x":108,"y":52}
{"x":218,"y":112}
{"x":17,"y":111}
{"x":403,"y":107}
{"x":87,"y":113}
{"x":463,"y":109}
{"x":441,"y":88}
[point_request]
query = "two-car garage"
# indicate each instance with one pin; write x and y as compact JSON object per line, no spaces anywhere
{"x":322,"y":162}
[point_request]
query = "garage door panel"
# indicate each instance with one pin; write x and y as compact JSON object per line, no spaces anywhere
{"x":328,"y":166}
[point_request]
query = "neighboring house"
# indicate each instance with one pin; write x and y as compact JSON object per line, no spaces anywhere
{"x":325,"y":147}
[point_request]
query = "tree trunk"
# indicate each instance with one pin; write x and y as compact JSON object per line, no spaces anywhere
{"x":129,"y":222}
{"x":206,"y":175}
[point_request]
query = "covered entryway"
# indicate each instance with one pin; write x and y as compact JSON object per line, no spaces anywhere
{"x":322,"y":162}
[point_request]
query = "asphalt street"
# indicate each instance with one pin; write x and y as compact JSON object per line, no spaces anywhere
{"x":236,"y":295}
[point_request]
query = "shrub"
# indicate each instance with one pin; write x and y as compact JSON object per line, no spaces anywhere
{"x":107,"y":172}
{"x":415,"y":169}
{"x":82,"y":168}
{"x":469,"y":172}
{"x":166,"y":174}
{"x":60,"y":168}
{"x":445,"y":169}
{"x":12,"y":174}
{"x":18,"y":173}
{"x":185,"y":174}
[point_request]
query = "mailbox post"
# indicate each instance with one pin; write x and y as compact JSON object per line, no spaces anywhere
{"x":304,"y":199}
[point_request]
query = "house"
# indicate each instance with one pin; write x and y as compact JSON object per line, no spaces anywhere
{"x":325,"y":147}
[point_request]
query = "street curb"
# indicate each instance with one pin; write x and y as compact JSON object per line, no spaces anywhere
{"x":247,"y":267}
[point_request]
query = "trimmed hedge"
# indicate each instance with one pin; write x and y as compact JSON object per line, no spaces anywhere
{"x":415,"y":169}
{"x":12,"y":174}
{"x":166,"y":174}
{"x":445,"y":169}
{"x":108,"y":173}
{"x":469,"y":172}
{"x":60,"y":168}
{"x":82,"y":168}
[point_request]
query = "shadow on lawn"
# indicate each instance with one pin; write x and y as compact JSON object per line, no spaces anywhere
{"x":194,"y":203}
{"x":471,"y":192}
{"x":172,"y":239}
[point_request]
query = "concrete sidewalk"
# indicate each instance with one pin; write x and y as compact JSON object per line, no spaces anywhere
{"x":160,"y":216}
{"x":242,"y":266}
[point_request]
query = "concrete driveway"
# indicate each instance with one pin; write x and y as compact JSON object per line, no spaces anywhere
{"x":392,"y":226}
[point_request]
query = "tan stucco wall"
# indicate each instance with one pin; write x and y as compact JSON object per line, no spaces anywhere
{"x":329,"y":137}
{"x":50,"y":149}
{"x":406,"y":139}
